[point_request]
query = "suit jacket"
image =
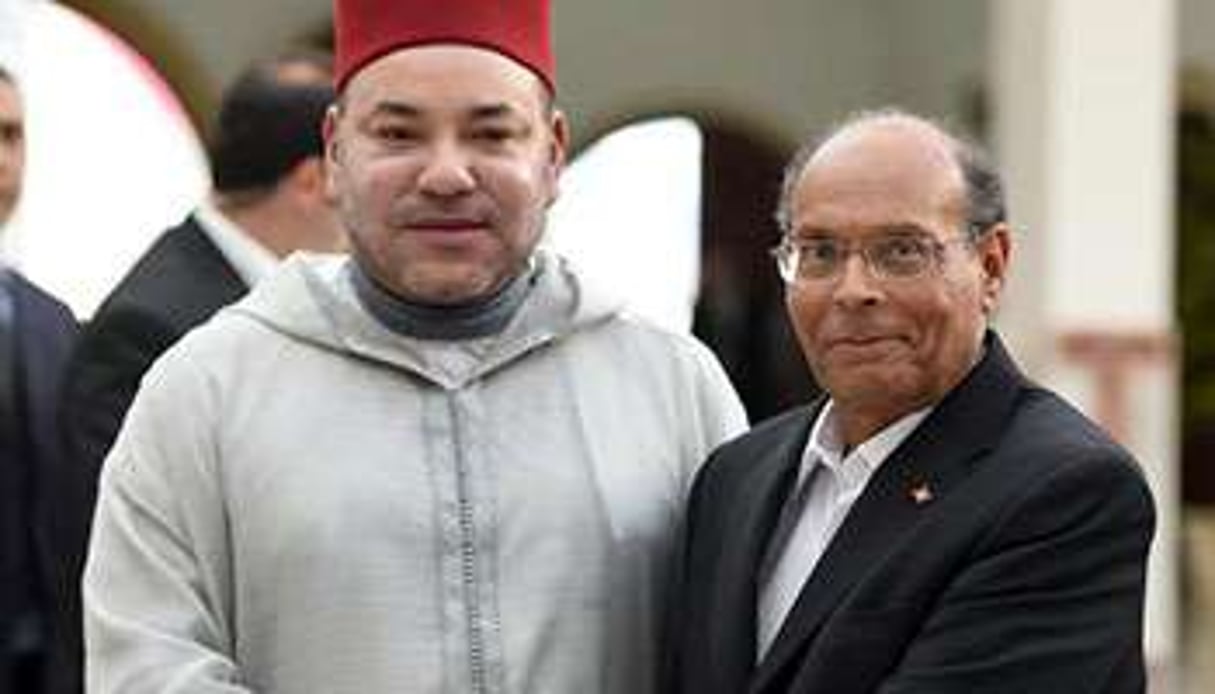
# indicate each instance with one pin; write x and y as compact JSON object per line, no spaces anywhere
{"x":1024,"y":572}
{"x":180,"y":282}
{"x":42,"y":333}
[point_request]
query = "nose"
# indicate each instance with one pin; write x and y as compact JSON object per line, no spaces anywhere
{"x":447,"y":172}
{"x":855,"y":286}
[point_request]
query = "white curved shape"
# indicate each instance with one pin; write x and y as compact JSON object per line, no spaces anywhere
{"x":629,"y":215}
{"x":111,"y":157}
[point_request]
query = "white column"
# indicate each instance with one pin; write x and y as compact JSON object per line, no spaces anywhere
{"x":1084,"y":130}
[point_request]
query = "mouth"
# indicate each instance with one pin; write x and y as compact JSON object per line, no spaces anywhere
{"x":859,"y":340}
{"x":447,"y":225}
{"x":863,"y":344}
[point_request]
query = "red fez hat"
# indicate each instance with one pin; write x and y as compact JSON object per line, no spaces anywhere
{"x":368,"y":29}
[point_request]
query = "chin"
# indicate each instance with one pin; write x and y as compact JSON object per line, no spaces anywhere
{"x":443,"y":295}
{"x":875,"y":383}
{"x":449,"y":290}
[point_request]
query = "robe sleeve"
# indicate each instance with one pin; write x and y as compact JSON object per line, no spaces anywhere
{"x":157,"y":589}
{"x":720,"y":411}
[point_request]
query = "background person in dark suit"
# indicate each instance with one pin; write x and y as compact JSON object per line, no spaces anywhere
{"x":36,"y":333}
{"x":268,"y":200}
{"x":937,"y":523}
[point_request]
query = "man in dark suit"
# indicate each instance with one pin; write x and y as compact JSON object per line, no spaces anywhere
{"x":937,"y":523}
{"x":36,"y":333}
{"x":268,"y":201}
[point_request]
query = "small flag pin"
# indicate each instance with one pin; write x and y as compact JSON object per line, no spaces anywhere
{"x":920,"y":493}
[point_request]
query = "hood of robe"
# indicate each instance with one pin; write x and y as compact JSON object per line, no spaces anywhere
{"x":311,"y":297}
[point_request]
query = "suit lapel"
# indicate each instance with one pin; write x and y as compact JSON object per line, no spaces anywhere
{"x":762,"y":486}
{"x":195,"y":245}
{"x":921,"y":470}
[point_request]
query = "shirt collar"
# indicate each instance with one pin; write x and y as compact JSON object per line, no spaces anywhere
{"x":478,"y":319}
{"x":251,"y":260}
{"x":825,"y":446}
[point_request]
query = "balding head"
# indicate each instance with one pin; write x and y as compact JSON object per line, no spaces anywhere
{"x":892,"y":271}
{"x":922,"y":143}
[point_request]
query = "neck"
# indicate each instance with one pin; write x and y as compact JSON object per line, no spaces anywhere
{"x":260,"y":221}
{"x":855,"y":426}
{"x":860,"y":418}
{"x":481,"y":317}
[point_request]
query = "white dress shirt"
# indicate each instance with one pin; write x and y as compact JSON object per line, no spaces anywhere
{"x":251,"y":260}
{"x":836,"y":481}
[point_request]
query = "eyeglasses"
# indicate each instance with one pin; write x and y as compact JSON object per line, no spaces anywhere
{"x":890,"y":256}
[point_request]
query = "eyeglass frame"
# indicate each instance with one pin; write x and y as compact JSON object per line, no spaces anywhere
{"x":786,"y":267}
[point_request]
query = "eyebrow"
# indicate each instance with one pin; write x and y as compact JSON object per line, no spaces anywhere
{"x":891,"y":229}
{"x":900,"y":228}
{"x":396,"y":108}
{"x":491,"y":111}
{"x":405,"y":109}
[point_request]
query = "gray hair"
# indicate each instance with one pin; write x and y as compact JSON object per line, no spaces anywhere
{"x":985,"y":205}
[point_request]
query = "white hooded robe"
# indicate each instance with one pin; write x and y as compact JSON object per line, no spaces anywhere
{"x":303,"y":501}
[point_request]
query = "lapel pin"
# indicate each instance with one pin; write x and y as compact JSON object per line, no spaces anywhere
{"x":920,"y":493}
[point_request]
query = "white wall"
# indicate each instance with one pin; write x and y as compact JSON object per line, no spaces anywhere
{"x":783,"y":63}
{"x":786,"y":66}
{"x":1197,"y":33}
{"x":779,"y":64}
{"x":938,"y":53}
{"x":227,"y":34}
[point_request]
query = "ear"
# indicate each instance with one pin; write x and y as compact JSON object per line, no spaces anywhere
{"x":557,"y":147}
{"x":332,"y":160}
{"x":994,"y":249}
{"x":309,"y":178}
